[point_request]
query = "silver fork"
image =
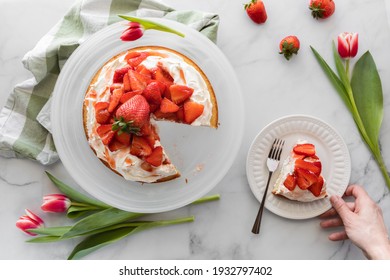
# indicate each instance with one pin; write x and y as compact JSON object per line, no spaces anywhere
{"x":272,"y":163}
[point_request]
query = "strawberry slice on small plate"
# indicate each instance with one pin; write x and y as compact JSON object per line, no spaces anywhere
{"x":330,"y":148}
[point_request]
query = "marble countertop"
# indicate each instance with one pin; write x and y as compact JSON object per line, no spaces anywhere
{"x":272,"y":87}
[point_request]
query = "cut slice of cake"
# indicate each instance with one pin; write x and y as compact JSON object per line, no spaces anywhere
{"x":300,"y":177}
{"x":129,"y":94}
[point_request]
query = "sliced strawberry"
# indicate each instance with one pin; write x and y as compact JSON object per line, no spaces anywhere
{"x":123,"y":138}
{"x":115,"y":86}
{"x":101,"y":105}
{"x":180,"y":115}
{"x":149,"y":133}
{"x":156,"y":157}
{"x":101,"y":113}
{"x":126,"y":83}
{"x":146,"y":166}
{"x":162,"y":86}
{"x":144,"y":71}
{"x":127,"y":95}
{"x":167,"y":106}
{"x":152,"y":94}
{"x":310,"y":166}
{"x":161,"y":75}
{"x":105,"y":133}
{"x":164,"y":116}
{"x":316,"y":188}
{"x":290,"y":182}
{"x":119,"y":73}
{"x":103,"y":116}
{"x":140,"y":147}
{"x":116,"y":145}
{"x":180,"y":93}
{"x":305,"y":178}
{"x":135,"y":58}
{"x":137,"y":80}
{"x":192,"y":111}
{"x":146,"y":129}
{"x":114,"y":99}
{"x":319,"y":166}
{"x":305,"y":149}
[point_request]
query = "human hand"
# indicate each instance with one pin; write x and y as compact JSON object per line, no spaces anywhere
{"x":362,"y":220}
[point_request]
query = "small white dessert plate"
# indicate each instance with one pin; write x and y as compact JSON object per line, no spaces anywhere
{"x":330,"y":148}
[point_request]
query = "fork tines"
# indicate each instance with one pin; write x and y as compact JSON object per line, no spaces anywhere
{"x":276,"y":149}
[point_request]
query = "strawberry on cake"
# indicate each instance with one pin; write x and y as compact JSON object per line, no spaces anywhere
{"x":126,"y":98}
{"x":300,"y":177}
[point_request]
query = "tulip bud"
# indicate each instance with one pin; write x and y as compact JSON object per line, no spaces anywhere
{"x":347,"y":44}
{"x":134,"y":32}
{"x":55,"y":203}
{"x":29,"y":221}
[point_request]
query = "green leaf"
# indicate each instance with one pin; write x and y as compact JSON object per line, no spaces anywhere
{"x":54,"y":231}
{"x":45,"y":239}
{"x":99,"y":220}
{"x":96,"y":241}
{"x":147,"y":24}
{"x":367,"y":92}
{"x":79,"y":211}
{"x":75,"y":195}
{"x":334,"y":79}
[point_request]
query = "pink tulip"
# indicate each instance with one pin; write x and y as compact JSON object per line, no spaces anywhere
{"x":133,"y":32}
{"x":29,"y":221}
{"x":348,"y":44}
{"x":55,"y":203}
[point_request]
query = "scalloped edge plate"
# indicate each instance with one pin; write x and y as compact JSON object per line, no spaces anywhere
{"x":330,"y":147}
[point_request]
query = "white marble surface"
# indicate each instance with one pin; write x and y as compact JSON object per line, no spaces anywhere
{"x":272,"y":87}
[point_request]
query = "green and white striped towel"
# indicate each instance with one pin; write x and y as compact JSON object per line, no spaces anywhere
{"x":25,"y":119}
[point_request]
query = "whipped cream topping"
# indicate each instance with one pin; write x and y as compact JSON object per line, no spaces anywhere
{"x":129,"y":166}
{"x":297,"y":194}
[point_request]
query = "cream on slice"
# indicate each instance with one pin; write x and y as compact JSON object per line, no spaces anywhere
{"x":288,"y":169}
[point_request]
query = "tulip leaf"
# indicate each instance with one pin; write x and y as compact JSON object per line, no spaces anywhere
{"x":45,"y":239}
{"x":96,"y":241}
{"x":73,"y":194}
{"x":79,"y":211}
{"x":99,"y":220}
{"x":54,"y":231}
{"x":367,"y":92}
{"x":334,"y":79}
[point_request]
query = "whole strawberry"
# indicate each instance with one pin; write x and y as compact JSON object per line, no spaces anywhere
{"x":289,"y":46}
{"x":132,"y":115}
{"x":321,"y":8}
{"x":256,"y":11}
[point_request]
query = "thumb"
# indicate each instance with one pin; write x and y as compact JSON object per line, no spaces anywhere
{"x":340,"y":206}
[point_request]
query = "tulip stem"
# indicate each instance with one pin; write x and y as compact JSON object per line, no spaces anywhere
{"x":347,"y":68}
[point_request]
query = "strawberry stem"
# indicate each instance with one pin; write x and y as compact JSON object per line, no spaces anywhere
{"x":121,"y":126}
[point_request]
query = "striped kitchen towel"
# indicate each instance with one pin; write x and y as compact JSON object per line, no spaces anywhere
{"x":25,"y":119}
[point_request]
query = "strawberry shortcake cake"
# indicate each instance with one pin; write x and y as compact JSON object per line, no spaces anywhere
{"x":126,"y":98}
{"x":301,"y":177}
